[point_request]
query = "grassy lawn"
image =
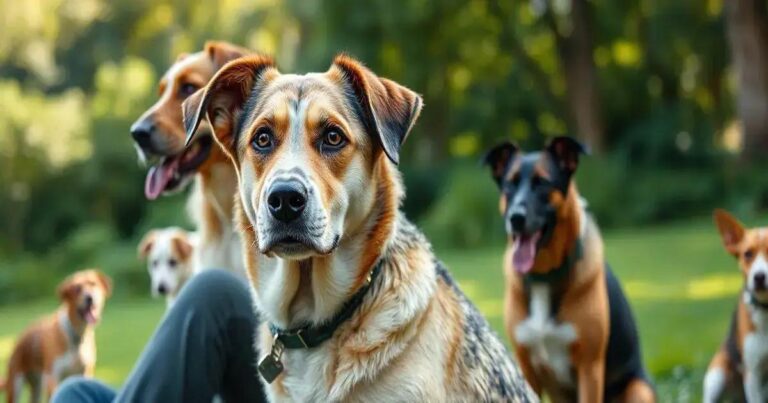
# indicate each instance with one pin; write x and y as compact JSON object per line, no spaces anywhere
{"x":680,"y":281}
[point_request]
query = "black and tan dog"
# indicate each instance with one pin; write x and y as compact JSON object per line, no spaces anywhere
{"x":739,"y":369}
{"x":571,"y":325}
{"x":356,"y":306}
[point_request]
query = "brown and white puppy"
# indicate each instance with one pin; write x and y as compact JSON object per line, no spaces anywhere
{"x":63,"y":343}
{"x":572,"y":327}
{"x":319,"y":198}
{"x":739,"y":369}
{"x":159,"y":136}
{"x":168,"y":252}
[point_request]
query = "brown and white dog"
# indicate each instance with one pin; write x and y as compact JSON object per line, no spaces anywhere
{"x":739,"y":369}
{"x":571,"y":325}
{"x":63,"y":343}
{"x":159,"y":135}
{"x":355,"y":305}
{"x":168,"y":252}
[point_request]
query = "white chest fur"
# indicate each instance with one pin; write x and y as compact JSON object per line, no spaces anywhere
{"x":70,"y":363}
{"x":756,"y":358}
{"x":547,"y":341}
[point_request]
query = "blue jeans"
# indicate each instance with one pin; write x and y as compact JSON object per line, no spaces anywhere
{"x":203,"y":347}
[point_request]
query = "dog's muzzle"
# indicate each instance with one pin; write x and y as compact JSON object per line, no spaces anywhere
{"x":286,"y":200}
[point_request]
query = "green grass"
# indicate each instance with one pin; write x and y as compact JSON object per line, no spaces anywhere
{"x":679,"y":279}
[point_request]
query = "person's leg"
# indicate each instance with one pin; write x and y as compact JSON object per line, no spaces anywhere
{"x":203,"y":347}
{"x":77,"y":389}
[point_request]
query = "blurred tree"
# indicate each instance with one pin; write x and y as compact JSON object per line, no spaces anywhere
{"x":748,"y":39}
{"x":572,"y":29}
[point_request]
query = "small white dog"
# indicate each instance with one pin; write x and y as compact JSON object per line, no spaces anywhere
{"x":169,"y":255}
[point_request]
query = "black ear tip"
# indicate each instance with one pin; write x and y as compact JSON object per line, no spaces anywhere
{"x":494,"y":152}
{"x":572,"y":143}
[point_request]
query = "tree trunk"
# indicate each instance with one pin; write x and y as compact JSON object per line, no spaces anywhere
{"x":575,"y":51}
{"x":747,"y":29}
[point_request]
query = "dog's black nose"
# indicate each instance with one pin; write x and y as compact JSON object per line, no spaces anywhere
{"x":287,"y":200}
{"x":161,"y":289}
{"x":141,"y":132}
{"x":88,"y":300}
{"x":760,"y":280}
{"x":517,"y":221}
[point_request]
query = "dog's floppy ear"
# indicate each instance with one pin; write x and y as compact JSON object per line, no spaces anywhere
{"x":498,"y":159}
{"x":105,"y":281}
{"x":146,"y":244}
{"x":221,"y":52}
{"x":222,"y":100}
{"x":731,"y":231}
{"x":388,"y":109}
{"x":182,"y":246}
{"x":565,"y":152}
{"x":68,"y":289}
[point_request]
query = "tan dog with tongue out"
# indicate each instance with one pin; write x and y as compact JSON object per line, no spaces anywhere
{"x":63,"y":343}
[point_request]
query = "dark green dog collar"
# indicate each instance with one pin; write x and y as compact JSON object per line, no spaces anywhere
{"x":755,"y":302}
{"x":559,"y":273}
{"x":311,"y":336}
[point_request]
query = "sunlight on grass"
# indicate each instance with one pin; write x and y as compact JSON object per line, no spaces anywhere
{"x":110,"y":374}
{"x":713,"y":286}
{"x":6,"y":344}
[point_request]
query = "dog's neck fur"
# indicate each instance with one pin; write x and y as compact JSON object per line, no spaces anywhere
{"x":212,"y":208}
{"x":218,"y":185}
{"x":567,"y":230}
{"x":70,"y":321}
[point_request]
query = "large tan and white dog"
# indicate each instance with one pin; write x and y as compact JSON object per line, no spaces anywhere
{"x":63,"y":343}
{"x":159,"y":135}
{"x":356,"y":306}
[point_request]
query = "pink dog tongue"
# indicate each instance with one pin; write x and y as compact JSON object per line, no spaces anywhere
{"x":158,"y":177}
{"x":90,"y":317}
{"x":524,"y":253}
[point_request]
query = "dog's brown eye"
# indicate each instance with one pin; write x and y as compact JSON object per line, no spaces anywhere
{"x":749,"y":254}
{"x":172,"y":263}
{"x":333,"y":139}
{"x":186,"y":90}
{"x":263,"y":140}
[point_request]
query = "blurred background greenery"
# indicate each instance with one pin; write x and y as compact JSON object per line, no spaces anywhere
{"x":672,"y":96}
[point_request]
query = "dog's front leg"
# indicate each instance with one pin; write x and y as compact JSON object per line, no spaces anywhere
{"x":752,"y":387}
{"x":590,"y":380}
{"x":524,"y":359}
{"x":51,"y":382}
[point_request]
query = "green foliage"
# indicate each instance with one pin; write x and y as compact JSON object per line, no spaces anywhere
{"x":76,"y":74}
{"x":466,"y":212}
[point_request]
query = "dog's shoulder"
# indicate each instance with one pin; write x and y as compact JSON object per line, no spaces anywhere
{"x":492,"y":374}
